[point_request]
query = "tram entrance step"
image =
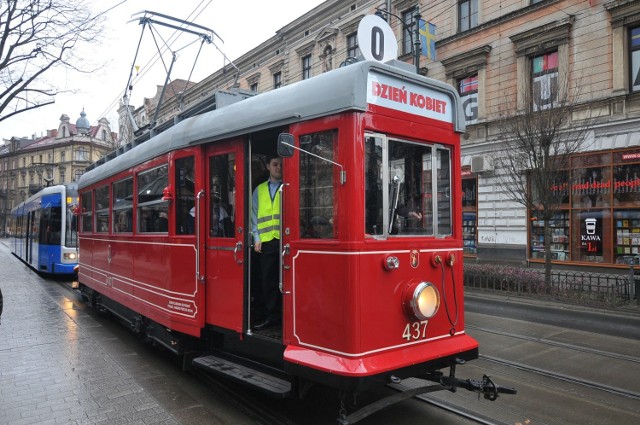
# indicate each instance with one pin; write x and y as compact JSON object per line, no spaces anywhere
{"x":262,"y":381}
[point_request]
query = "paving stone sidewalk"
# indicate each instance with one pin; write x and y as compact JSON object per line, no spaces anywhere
{"x":59,"y":365}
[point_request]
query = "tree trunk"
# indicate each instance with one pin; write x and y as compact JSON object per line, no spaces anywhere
{"x":547,"y":254}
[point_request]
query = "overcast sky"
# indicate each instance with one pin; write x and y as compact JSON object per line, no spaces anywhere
{"x":242,"y":24}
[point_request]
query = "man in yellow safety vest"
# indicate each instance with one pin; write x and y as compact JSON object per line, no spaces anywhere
{"x":265,"y":228}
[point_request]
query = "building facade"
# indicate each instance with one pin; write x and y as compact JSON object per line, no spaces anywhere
{"x":29,"y":164}
{"x":495,"y":51}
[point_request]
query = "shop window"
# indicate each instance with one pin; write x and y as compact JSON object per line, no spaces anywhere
{"x":469,"y":213}
{"x":627,"y":237}
{"x":591,"y":187}
{"x":555,"y":191}
{"x":559,"y":229}
{"x":591,"y":241}
{"x":626,"y":185}
{"x":600,"y":222}
{"x":317,"y":183}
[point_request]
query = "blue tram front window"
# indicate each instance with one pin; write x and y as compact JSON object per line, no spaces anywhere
{"x":50,"y":225}
{"x":401,"y":178}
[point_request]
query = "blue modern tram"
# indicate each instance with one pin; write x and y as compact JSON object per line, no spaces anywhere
{"x":43,"y":230}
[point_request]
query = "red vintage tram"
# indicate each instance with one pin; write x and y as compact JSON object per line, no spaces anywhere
{"x":371,"y":271}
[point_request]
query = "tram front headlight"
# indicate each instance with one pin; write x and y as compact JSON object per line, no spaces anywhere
{"x":70,"y":256}
{"x":421,"y":300}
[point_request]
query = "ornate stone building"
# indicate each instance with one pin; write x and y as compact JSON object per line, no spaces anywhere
{"x":60,"y":157}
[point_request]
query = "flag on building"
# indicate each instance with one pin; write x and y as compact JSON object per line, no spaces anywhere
{"x":428,"y":39}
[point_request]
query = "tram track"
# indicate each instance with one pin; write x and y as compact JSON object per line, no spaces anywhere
{"x":444,"y":405}
{"x":563,"y":377}
{"x":459,"y":411}
{"x":558,"y":344}
{"x":556,"y":375}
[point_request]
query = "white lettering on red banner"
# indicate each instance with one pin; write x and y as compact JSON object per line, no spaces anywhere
{"x":408,"y":97}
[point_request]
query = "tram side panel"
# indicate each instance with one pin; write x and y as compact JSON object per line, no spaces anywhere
{"x":153,"y":277}
{"x":324,"y":302}
{"x":165,"y":286}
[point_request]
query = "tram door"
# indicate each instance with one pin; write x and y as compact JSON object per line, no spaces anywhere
{"x":32,"y":234}
{"x":225,"y":235}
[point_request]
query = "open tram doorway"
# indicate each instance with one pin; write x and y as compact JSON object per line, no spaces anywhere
{"x":264,"y":300}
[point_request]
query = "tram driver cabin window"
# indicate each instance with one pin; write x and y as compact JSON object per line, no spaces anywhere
{"x":407,"y":188}
{"x":152,"y":210}
{"x":317,"y":182}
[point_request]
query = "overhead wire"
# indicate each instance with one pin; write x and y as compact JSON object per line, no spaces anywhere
{"x":154,"y":59}
{"x":397,"y":24}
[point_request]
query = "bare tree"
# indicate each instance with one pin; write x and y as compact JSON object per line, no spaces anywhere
{"x":36,"y":37}
{"x":537,"y":137}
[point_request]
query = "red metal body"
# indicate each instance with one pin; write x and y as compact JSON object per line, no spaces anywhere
{"x":343,"y":310}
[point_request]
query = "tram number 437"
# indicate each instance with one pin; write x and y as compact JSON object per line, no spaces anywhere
{"x":415,"y":330}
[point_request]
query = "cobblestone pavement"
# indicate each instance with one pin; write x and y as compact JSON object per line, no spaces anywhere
{"x":60,"y":364}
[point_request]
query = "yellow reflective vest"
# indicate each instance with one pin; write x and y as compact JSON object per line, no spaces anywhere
{"x":268,"y":214}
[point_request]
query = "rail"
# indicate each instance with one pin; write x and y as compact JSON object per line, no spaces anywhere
{"x":573,"y":285}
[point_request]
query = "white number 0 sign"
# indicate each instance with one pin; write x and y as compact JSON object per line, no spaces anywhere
{"x":376,"y":39}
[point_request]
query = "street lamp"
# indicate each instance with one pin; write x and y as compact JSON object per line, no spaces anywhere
{"x":415,"y":46}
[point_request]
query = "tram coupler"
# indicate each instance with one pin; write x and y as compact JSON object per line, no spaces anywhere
{"x":484,"y":386}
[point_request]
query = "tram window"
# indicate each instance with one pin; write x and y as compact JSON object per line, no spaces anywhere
{"x":123,"y":206}
{"x":50,"y":225}
{"x":185,"y":196}
{"x":399,"y":188}
{"x":410,"y":189}
{"x":102,"y":209}
{"x":443,"y":200}
{"x":152,"y":210}
{"x":373,"y":186}
{"x":317,"y":182}
{"x":221,"y":195}
{"x":87,"y":212}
